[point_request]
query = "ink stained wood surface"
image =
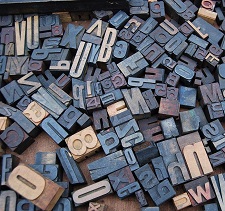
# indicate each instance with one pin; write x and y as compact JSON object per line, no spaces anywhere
{"x":43,"y":143}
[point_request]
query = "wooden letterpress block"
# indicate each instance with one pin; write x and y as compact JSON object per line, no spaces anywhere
{"x":103,"y":14}
{"x":4,"y":123}
{"x":107,"y":85}
{"x":118,"y":80}
{"x":18,"y":144}
{"x":91,"y":192}
{"x":133,"y":24}
{"x":109,"y":140}
{"x":211,"y":206}
{"x":20,"y":37}
{"x":189,"y":120}
{"x":64,"y":203}
{"x":54,"y":130}
{"x":187,"y":97}
{"x":3,"y":62}
{"x":215,"y":50}
{"x":210,"y":93}
{"x":78,"y":88}
{"x":8,"y":35}
{"x":46,"y":158}
{"x":142,"y":83}
{"x":131,"y":159}
{"x":93,"y":56}
{"x":186,"y":74}
{"x":63,"y":82}
{"x":57,"y":30}
{"x":36,"y":66}
{"x":157,"y":11}
{"x":207,"y":15}
{"x":211,"y":61}
{"x":69,"y":118}
{"x":169,"y":108}
{"x":214,"y":111}
{"x":10,"y":49}
{"x":101,"y":168}
{"x":19,"y":118}
{"x":145,"y":45}
{"x":181,"y":201}
{"x":153,"y":132}
{"x":217,"y":158}
{"x":46,"y":79}
{"x":200,"y":55}
{"x":93,"y":103}
{"x":161,"y":36}
{"x":57,"y":67}
{"x":83,"y":144}
{"x":9,"y":162}
{"x":186,"y":29}
{"x":92,"y":74}
{"x":6,"y":20}
{"x":218,"y":182}
{"x":174,"y":161}
{"x":220,"y":75}
{"x":23,"y":103}
{"x":145,"y":154}
{"x":25,"y":204}
{"x":150,"y":100}
{"x":50,"y":42}
{"x":155,"y":73}
{"x":121,"y":117}
{"x":137,"y":39}
{"x":50,"y":171}
{"x":119,"y":19}
{"x":17,"y":66}
{"x":169,"y":128}
{"x":128,"y":133}
{"x":70,"y":167}
{"x":172,"y":93}
{"x":172,"y":79}
{"x":128,"y":190}
{"x":35,"y":113}
{"x":106,"y":49}
{"x":8,"y":200}
{"x":97,"y":206}
{"x":84,"y":121}
{"x":141,"y":198}
{"x":121,"y":178}
{"x":46,"y":193}
{"x":33,"y":32}
{"x":162,"y":192}
{"x":195,"y":155}
{"x":101,"y":120}
{"x":47,"y":102}
{"x":199,"y":191}
{"x":168,"y":63}
{"x":120,"y":51}
{"x":59,"y":94}
{"x":29,"y":83}
{"x":160,"y":90}
{"x":12,"y":92}
{"x":212,"y":129}
{"x":116,"y":108}
{"x":49,"y":54}
{"x":146,"y":177}
{"x":160,"y":168}
{"x":133,"y":65}
{"x":153,"y":53}
{"x":97,"y":28}
{"x":67,"y":187}
{"x":136,"y":102}
{"x":72,"y":36}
